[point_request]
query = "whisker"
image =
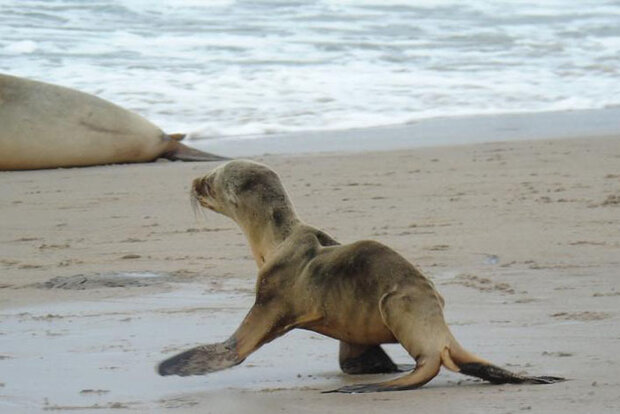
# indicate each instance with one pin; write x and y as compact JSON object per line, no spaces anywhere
{"x":203,"y":213}
{"x":193,"y":198}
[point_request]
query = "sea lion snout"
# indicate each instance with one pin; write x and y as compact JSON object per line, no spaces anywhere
{"x":203,"y":187}
{"x":197,"y":185}
{"x":203,"y":193}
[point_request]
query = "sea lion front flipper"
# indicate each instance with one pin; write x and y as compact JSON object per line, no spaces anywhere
{"x":182,"y":152}
{"x":262,"y":324}
{"x":258,"y":327}
{"x":201,"y":360}
{"x":357,"y":359}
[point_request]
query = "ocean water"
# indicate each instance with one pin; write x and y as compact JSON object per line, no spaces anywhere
{"x":230,"y":68}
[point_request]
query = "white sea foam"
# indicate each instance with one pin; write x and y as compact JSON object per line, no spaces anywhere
{"x":246,"y":68}
{"x":25,"y":46}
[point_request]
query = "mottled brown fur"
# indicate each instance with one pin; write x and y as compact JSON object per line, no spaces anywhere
{"x":363,"y":294}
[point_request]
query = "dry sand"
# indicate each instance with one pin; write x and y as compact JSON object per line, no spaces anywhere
{"x":105,"y":271}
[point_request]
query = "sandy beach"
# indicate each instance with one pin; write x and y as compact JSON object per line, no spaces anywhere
{"x":105,"y":271}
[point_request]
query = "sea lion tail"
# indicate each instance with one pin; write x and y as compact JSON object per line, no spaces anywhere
{"x":458,"y":359}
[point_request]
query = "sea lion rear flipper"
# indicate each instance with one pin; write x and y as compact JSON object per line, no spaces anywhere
{"x":177,"y":136}
{"x":412,"y":321}
{"x":497,"y":375}
{"x":184,"y":153}
{"x":469,"y":364}
{"x":426,"y":369}
{"x":364,"y":359}
{"x":458,"y":359}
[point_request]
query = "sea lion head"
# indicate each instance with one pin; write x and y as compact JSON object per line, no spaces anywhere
{"x":244,"y":191}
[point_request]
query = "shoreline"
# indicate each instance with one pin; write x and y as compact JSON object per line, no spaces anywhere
{"x":430,"y":132}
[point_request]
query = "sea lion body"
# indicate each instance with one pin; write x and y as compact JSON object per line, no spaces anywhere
{"x":363,"y":294}
{"x":339,"y":277}
{"x":48,"y":126}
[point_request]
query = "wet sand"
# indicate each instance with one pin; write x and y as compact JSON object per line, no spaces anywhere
{"x":105,"y":271}
{"x":430,"y":132}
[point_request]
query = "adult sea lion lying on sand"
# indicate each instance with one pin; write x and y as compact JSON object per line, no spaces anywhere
{"x":49,"y":126}
{"x":363,"y":294}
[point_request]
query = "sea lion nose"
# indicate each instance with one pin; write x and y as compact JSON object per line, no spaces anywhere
{"x":198,"y":185}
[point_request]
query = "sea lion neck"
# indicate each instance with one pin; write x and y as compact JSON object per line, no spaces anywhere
{"x":265,"y":232}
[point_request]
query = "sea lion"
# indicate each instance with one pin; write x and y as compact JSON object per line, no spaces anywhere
{"x":50,"y":126}
{"x":362,"y":293}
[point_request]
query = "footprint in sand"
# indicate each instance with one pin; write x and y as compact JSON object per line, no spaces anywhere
{"x":95,"y":281}
{"x":581,"y":316}
{"x":481,"y":283}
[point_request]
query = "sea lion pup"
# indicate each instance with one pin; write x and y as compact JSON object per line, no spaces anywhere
{"x":50,"y":126}
{"x":362,"y":293}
